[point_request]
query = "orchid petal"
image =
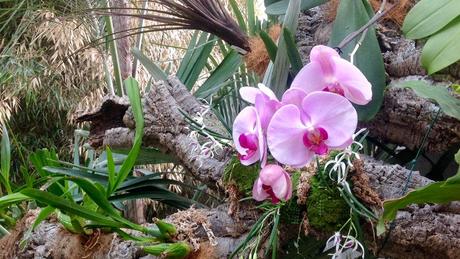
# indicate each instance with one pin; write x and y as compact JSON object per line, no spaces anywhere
{"x":284,"y":136}
{"x":249,"y":94}
{"x":247,"y":122}
{"x":332,"y":112}
{"x":265,"y":109}
{"x":310,"y":78}
{"x":267,"y":91}
{"x":257,"y":191}
{"x":324,"y":56}
{"x":294,"y":96}
{"x":288,"y":195}
{"x":354,"y":83}
{"x":271,"y":174}
{"x":277,"y":179}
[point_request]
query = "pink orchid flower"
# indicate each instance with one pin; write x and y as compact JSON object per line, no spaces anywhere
{"x":327,"y":71}
{"x":273,"y":183}
{"x":248,"y":136}
{"x":264,"y":100}
{"x":322,"y":121}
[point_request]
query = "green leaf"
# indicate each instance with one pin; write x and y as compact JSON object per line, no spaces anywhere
{"x":158,"y":194}
{"x":457,"y":159}
{"x":12,"y":199}
{"x":280,"y":8}
{"x":441,"y":49}
{"x":428,"y":16}
{"x":136,"y":106}
{"x":114,"y":53}
{"x":439,"y":192}
{"x":252,"y":233}
{"x":111,"y":171}
{"x":277,"y":73}
{"x":239,"y":16}
{"x":75,"y":172}
{"x":270,"y":45}
{"x":154,"y":70}
{"x":292,"y":51}
{"x":448,"y":103}
{"x":184,"y":64}
{"x":5,"y":160}
{"x":273,"y":241}
{"x":352,"y":15}
{"x":197,"y":57}
{"x":69,"y":207}
{"x":224,"y":71}
{"x":99,"y":197}
{"x":149,"y":156}
{"x":252,"y":27}
{"x":44,"y":213}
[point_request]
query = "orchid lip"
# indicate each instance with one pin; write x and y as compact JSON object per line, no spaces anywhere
{"x":314,"y":140}
{"x":249,"y":142}
{"x":269,"y":190}
{"x":335,"y":88}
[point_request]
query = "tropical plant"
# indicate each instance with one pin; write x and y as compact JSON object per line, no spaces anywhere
{"x":439,"y":23}
{"x":87,"y":197}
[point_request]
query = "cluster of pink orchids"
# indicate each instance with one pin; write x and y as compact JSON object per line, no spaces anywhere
{"x":314,"y":116}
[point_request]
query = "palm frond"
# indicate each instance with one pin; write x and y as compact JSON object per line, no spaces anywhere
{"x":204,"y":15}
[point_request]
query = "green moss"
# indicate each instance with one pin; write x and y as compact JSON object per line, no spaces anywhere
{"x":240,"y":175}
{"x":326,"y":209}
{"x":295,"y":179}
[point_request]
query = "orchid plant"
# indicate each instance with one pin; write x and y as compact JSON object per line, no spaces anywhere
{"x":314,"y":116}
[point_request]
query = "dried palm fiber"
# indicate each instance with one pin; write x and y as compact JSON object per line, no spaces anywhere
{"x":204,"y":15}
{"x":396,"y":15}
{"x":258,"y":59}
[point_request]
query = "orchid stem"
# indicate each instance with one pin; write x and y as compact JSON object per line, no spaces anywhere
{"x":379,"y":15}
{"x":358,"y":44}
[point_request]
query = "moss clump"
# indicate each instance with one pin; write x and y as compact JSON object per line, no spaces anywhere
{"x":295,"y":176}
{"x":243,"y":177}
{"x":326,"y":209}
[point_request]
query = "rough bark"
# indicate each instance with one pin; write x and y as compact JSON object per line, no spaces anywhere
{"x":165,"y":128}
{"x":419,"y":231}
{"x":404,"y":117}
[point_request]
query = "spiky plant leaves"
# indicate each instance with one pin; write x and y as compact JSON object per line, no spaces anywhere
{"x":204,"y":15}
{"x":277,"y":73}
